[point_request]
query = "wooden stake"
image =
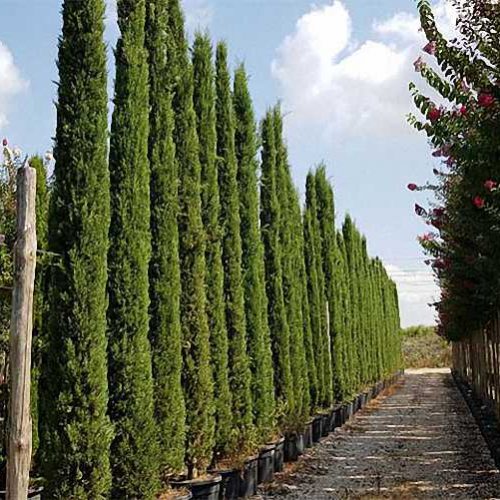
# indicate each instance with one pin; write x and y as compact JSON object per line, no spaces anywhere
{"x":19,"y":431}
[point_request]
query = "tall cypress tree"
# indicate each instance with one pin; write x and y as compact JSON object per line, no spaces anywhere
{"x":326,"y":218}
{"x":197,"y":373}
{"x":259,"y":340}
{"x":270,"y":227}
{"x":134,"y":449}
{"x":164,"y":270}
{"x":317,"y":294}
{"x":204,"y":104}
{"x":239,"y":374}
{"x":289,"y":224}
{"x":75,"y":429}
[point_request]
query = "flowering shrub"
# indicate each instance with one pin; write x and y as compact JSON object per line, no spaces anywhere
{"x":464,"y":249}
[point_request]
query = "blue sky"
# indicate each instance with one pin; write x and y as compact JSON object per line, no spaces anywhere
{"x":341,"y":70}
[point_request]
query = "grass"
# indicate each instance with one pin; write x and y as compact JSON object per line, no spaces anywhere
{"x":422,"y":348}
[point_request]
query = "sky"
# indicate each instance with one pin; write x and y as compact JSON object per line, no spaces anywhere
{"x":341,"y":70}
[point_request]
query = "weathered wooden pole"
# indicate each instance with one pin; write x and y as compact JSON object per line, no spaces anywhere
{"x":19,"y":430}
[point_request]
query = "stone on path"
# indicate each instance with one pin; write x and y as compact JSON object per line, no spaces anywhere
{"x":418,"y":441}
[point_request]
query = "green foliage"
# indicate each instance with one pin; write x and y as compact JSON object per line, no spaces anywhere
{"x":291,"y":257}
{"x":465,"y":213}
{"x":75,"y":432}
{"x":239,"y":370}
{"x":196,"y":373}
{"x":258,"y":333}
{"x":423,"y":348}
{"x":164,"y":270}
{"x":270,"y":216}
{"x":134,"y":450}
{"x":317,"y":295}
{"x":204,"y":104}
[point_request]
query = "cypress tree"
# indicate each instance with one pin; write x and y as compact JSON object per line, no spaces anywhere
{"x":164,"y":271}
{"x":204,"y":104}
{"x":75,"y":429}
{"x":347,"y":320}
{"x":259,"y":340}
{"x":326,"y":219}
{"x":239,"y":374}
{"x":289,"y":223}
{"x":348,"y":231}
{"x":196,"y":374}
{"x":317,"y":295}
{"x":134,"y":451}
{"x":270,"y":227}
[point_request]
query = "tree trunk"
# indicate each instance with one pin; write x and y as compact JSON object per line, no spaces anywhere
{"x":19,"y":431}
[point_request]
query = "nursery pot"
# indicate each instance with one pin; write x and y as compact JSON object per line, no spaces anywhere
{"x":337,"y":416}
{"x":317,"y":428}
{"x":202,"y":489}
{"x":350,"y":410}
{"x":33,"y":494}
{"x":249,"y":477}
{"x":279,"y":455}
{"x":294,"y":446}
{"x":308,"y":435}
{"x":325,"y":425}
{"x":230,"y":483}
{"x":266,"y":464}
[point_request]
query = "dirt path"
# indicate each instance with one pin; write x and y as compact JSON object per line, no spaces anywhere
{"x":418,"y":441}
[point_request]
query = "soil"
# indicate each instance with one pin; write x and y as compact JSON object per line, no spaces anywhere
{"x":418,"y":440}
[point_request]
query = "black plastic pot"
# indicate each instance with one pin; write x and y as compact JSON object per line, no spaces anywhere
{"x":308,"y":435}
{"x":337,"y":416}
{"x":325,"y":424}
{"x":249,"y":477}
{"x":266,"y":464}
{"x":230,"y":483}
{"x":34,"y":494}
{"x":201,"y":489}
{"x":279,"y":455}
{"x":317,"y":428}
{"x":294,"y":446}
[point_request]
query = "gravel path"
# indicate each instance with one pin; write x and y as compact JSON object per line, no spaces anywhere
{"x":418,"y":440}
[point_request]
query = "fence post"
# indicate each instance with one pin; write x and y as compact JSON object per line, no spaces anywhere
{"x":19,"y":429}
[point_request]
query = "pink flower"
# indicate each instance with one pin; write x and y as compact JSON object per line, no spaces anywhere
{"x":5,"y":143}
{"x":438,"y":212}
{"x":485,"y":100}
{"x":419,"y":65}
{"x":434,"y":114}
{"x":412,"y":186}
{"x":490,"y":185}
{"x":430,"y":48}
{"x":463,"y":110}
{"x":478,"y":202}
{"x":464,"y":86}
{"x":426,"y":237}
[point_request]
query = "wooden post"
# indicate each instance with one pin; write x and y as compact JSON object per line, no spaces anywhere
{"x":19,"y":430}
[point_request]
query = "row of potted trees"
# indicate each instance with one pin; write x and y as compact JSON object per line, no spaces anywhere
{"x":242,"y":482}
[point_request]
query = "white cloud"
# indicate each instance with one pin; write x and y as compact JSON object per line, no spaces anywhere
{"x":11,"y":82}
{"x":416,"y":289}
{"x":332,"y":83}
